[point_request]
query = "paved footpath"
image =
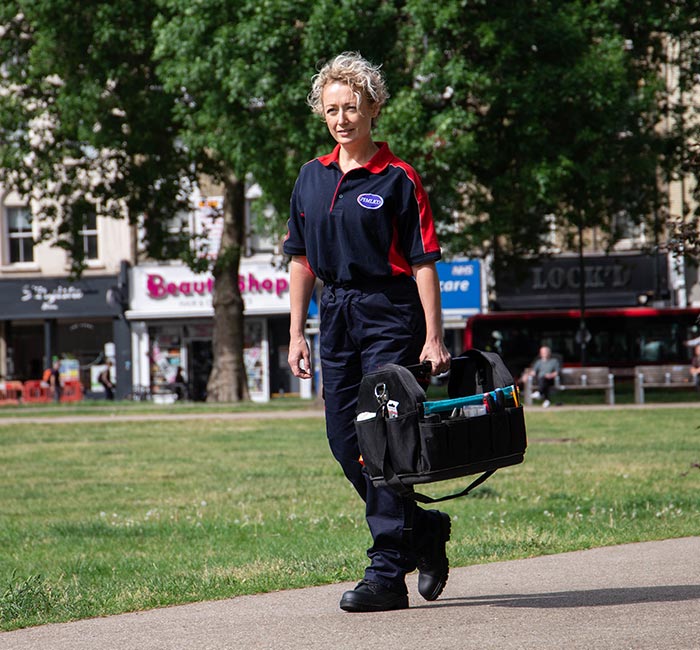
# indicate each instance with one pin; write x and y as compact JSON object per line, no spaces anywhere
{"x":631,"y":597}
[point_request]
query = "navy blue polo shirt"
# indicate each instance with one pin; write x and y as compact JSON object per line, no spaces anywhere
{"x":373,"y":222}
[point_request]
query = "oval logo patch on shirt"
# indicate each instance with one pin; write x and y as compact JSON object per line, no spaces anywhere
{"x":370,"y":201}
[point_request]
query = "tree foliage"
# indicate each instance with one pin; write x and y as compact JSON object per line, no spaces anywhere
{"x":244,"y":68}
{"x":85,"y":124}
{"x":510,"y":110}
{"x":528,"y":109}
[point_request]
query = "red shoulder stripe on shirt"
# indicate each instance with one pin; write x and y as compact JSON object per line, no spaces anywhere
{"x":397,"y":261}
{"x":425,"y":214}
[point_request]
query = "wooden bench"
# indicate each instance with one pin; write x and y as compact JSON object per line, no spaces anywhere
{"x":672,"y":376}
{"x":586,"y":378}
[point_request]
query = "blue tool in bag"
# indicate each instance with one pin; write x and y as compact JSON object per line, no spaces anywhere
{"x":489,"y":402}
{"x":407,"y":440}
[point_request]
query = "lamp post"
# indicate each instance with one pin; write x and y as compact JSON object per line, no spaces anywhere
{"x":583,"y":336}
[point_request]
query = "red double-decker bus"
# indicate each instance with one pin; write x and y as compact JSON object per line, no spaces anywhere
{"x":620,"y":338}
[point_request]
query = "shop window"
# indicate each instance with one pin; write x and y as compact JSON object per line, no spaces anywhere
{"x":88,"y":234}
{"x":19,"y":235}
{"x":85,"y":342}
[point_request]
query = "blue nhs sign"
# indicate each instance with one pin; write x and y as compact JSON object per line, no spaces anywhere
{"x":460,"y":287}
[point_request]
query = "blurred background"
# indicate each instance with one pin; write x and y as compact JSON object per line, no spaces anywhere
{"x":148,"y":150}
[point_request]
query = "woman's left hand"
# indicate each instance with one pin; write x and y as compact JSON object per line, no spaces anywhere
{"x":437,"y":354}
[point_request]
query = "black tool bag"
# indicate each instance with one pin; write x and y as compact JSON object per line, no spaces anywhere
{"x":402,"y":447}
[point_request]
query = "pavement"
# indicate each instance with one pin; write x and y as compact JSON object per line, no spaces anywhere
{"x":643,"y":596}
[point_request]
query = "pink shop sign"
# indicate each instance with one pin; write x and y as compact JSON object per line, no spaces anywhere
{"x":159,"y":287}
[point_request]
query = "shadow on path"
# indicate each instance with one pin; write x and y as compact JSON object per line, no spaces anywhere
{"x":584,"y":598}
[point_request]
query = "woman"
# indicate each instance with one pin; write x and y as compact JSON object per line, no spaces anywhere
{"x":360,"y":221}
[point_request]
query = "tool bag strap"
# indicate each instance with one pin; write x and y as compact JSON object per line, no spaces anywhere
{"x":463,"y":493}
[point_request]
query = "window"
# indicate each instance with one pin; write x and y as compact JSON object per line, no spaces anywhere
{"x":177,"y":236}
{"x":620,"y":337}
{"x":628,"y":234}
{"x":179,"y":224}
{"x":88,"y":234}
{"x":19,"y":231}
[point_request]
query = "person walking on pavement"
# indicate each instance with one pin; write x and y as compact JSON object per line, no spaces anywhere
{"x":360,"y":221}
{"x":55,"y":381}
{"x":105,"y":378}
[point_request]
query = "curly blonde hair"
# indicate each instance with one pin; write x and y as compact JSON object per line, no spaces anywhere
{"x":365,"y":79}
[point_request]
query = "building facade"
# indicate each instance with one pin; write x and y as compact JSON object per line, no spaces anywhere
{"x":170,"y":316}
{"x":44,"y":313}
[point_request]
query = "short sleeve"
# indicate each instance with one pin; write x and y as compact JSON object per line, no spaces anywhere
{"x":294,"y":241}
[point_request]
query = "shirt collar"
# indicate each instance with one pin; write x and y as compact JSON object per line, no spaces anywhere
{"x":376,"y":164}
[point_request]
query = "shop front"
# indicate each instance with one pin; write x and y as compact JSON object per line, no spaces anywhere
{"x":43,"y":319}
{"x":591,"y":281}
{"x":171,"y":317}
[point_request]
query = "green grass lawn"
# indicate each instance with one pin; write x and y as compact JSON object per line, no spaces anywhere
{"x":108,"y":408}
{"x":120,"y":516}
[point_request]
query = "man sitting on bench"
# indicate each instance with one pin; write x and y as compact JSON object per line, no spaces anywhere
{"x":545,"y":371}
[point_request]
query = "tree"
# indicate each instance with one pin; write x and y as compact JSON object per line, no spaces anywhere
{"x":87,"y":126}
{"x":243,"y":70}
{"x":84,"y":124}
{"x":528,"y":109}
{"x":665,"y":38}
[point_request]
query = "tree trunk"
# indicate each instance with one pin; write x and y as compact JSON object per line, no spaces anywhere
{"x":228,"y":381}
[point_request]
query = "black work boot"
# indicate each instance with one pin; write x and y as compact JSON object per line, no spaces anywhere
{"x":372,"y":597}
{"x":433,"y":565}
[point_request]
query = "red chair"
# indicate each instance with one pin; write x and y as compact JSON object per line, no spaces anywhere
{"x":36,"y":392}
{"x":10,"y":392}
{"x":72,"y":391}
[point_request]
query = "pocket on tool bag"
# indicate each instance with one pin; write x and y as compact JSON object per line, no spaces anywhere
{"x":500,"y":433}
{"x":435,"y":450}
{"x":480,"y":438}
{"x":403,"y":435}
{"x":518,"y":436}
{"x":371,"y":438}
{"x":455,"y":442}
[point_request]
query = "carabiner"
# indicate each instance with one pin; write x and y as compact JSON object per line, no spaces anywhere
{"x":381,"y":393}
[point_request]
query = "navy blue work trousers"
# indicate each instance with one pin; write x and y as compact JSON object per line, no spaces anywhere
{"x":362,"y":329}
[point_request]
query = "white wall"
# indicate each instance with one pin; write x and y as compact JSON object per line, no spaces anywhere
{"x":113,"y":242}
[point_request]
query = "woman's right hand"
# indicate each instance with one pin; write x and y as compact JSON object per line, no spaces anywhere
{"x":299,"y":358}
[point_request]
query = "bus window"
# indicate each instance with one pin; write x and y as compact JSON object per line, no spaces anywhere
{"x":620,"y":338}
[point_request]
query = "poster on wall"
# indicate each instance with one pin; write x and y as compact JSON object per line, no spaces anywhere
{"x":166,"y":358}
{"x":70,"y":370}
